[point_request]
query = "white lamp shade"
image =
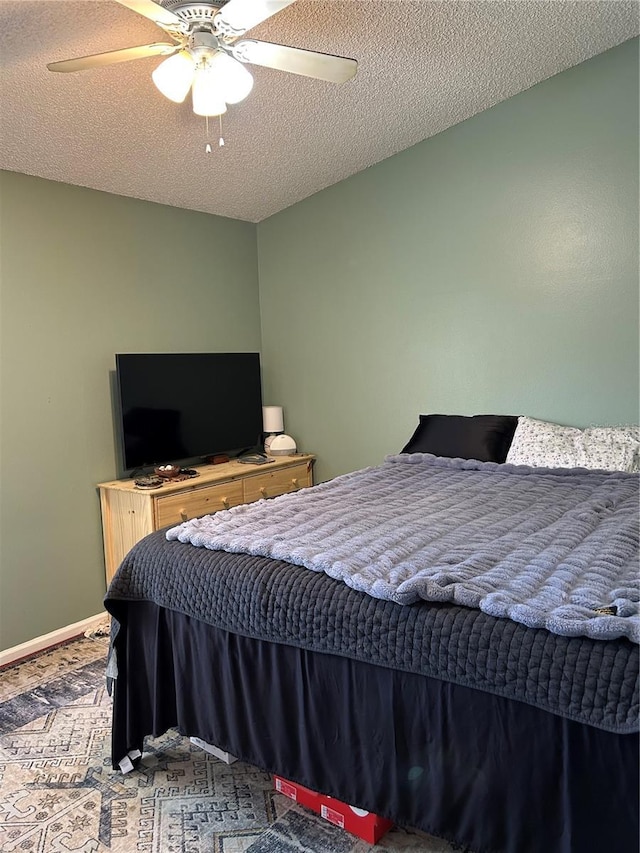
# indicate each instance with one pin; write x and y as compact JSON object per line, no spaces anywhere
{"x":208,"y":97}
{"x":272,"y":419}
{"x":174,"y":76}
{"x":235,"y":80}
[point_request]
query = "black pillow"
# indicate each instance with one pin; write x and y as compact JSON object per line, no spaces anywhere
{"x":483,"y":437}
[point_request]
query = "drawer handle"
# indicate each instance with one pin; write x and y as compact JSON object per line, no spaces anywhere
{"x":263,"y":491}
{"x":225,"y":503}
{"x":183,"y":515}
{"x":294,"y":482}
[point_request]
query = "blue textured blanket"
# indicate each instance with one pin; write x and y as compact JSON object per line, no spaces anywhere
{"x":554,"y":549}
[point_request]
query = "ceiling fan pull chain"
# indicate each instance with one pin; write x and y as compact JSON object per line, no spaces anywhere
{"x":207,"y":147}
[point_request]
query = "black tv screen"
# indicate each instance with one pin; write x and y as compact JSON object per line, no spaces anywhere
{"x":186,"y":406}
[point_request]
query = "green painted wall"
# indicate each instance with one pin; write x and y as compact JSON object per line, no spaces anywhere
{"x":492,"y":268}
{"x":84,"y":275}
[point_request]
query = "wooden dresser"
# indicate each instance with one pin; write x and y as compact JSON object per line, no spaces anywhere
{"x":130,"y":513}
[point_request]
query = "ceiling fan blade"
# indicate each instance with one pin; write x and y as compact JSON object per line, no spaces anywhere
{"x":323,"y":66}
{"x":156,"y":13}
{"x":238,"y":16}
{"x":97,"y":60}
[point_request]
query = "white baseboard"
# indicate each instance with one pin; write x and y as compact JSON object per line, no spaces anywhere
{"x":52,"y":639}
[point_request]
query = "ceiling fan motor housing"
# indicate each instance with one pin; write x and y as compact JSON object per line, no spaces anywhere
{"x":192,"y":11}
{"x":201,"y":15}
{"x":203,"y":43}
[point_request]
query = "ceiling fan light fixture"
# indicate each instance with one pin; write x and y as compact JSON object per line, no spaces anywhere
{"x":174,"y":76}
{"x":235,"y":80}
{"x":208,"y":99}
{"x":206,"y":56}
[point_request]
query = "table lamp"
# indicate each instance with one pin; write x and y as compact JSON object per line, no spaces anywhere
{"x":272,"y":424}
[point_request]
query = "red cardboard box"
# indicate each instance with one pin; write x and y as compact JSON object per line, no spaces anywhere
{"x":366,"y":825}
{"x":298,"y":793}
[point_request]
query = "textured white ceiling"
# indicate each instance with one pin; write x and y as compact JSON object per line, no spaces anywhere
{"x":423,"y":66}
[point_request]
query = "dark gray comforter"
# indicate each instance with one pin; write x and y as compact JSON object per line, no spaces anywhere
{"x":590,"y":681}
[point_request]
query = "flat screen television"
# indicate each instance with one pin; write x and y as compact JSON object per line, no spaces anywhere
{"x":181,"y":407}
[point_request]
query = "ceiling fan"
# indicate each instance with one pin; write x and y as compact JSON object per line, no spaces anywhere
{"x":208,"y":55}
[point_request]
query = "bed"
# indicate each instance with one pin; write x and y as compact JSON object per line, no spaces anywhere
{"x":461,"y":710}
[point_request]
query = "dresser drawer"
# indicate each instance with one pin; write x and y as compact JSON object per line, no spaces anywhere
{"x":173,"y":509}
{"x":278,"y":482}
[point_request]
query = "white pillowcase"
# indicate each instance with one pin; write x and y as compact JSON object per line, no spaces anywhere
{"x":548,"y":445}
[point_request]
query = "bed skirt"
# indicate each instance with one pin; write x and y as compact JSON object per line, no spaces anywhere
{"x":485,"y":772}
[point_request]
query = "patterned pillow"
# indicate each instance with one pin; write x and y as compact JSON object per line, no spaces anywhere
{"x":612,"y":448}
{"x":547,"y":445}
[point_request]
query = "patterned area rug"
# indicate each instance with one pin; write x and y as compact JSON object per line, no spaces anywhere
{"x":58,"y":792}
